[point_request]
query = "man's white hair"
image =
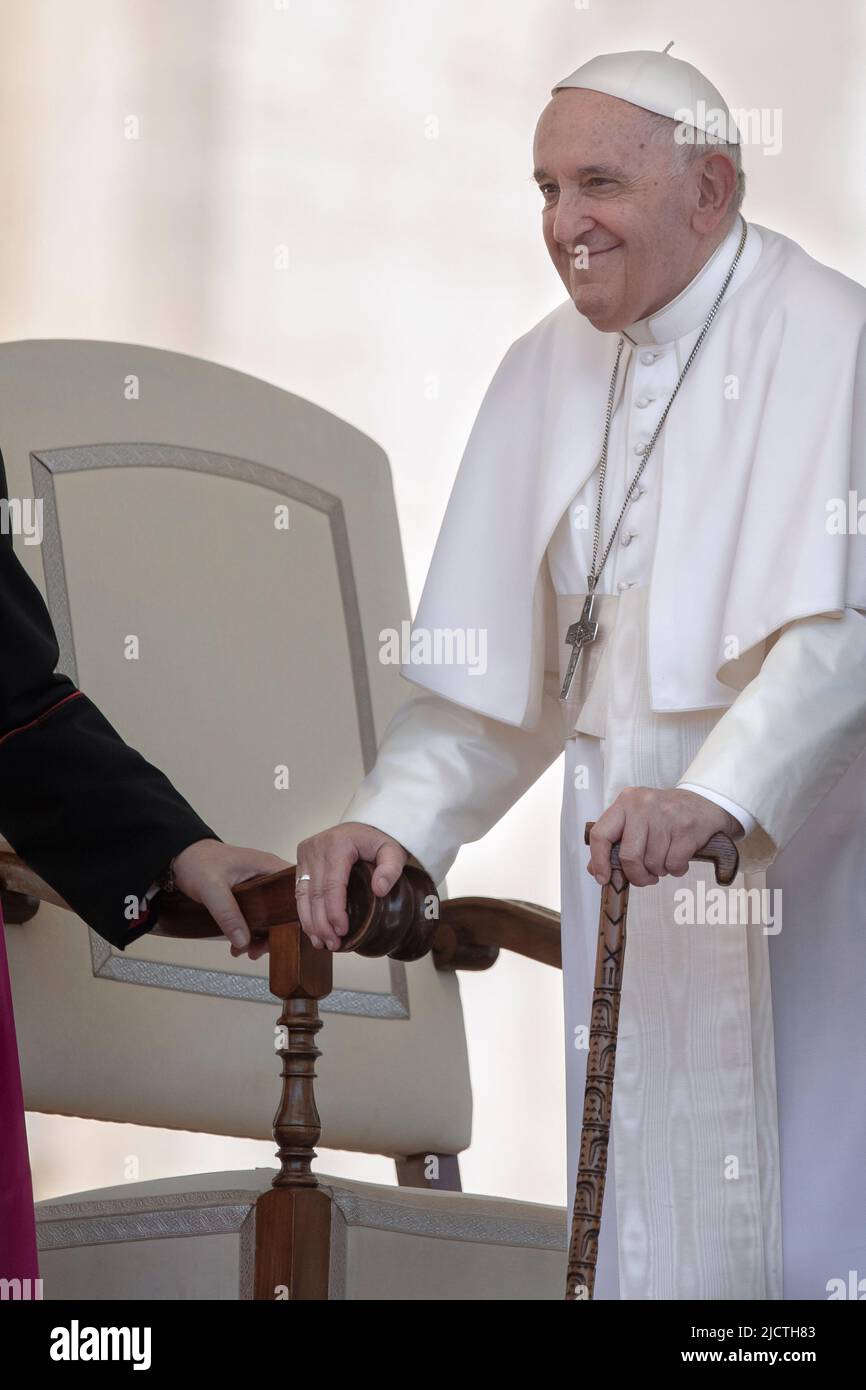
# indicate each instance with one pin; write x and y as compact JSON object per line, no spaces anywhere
{"x":663,"y":131}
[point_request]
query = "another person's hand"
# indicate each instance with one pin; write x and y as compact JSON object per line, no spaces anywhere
{"x":328,"y":858}
{"x":208,"y":870}
{"x":659,"y":830}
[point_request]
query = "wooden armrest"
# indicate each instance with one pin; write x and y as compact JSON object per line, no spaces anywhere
{"x":467,"y":934}
{"x":401,"y":925}
{"x":19,"y":880}
{"x":472,"y":931}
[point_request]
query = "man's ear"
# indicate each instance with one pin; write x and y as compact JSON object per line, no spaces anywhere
{"x":717,"y":184}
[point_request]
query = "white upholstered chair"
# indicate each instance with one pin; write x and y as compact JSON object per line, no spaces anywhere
{"x":256,"y":650}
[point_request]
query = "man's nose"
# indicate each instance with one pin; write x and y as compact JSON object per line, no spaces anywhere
{"x":571,"y":225}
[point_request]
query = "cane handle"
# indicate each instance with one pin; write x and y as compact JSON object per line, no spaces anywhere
{"x":720,"y":851}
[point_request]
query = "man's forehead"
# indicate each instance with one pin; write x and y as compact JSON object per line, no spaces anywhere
{"x":588,"y":130}
{"x":587,"y":145}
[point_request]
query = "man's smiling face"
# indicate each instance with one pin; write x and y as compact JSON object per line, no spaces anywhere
{"x":626,"y":197}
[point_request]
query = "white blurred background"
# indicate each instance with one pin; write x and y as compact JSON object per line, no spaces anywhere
{"x":387,"y":146}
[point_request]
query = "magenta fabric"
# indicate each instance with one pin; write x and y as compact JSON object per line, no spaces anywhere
{"x":17,"y":1222}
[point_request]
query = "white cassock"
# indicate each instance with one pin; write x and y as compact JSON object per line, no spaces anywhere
{"x":732,"y":659}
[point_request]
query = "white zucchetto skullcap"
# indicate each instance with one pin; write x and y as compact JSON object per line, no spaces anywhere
{"x":659,"y":83}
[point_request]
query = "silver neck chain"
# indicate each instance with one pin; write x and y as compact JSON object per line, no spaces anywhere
{"x":595,"y":572}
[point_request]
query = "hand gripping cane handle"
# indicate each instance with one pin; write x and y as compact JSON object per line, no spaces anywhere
{"x":721,"y":852}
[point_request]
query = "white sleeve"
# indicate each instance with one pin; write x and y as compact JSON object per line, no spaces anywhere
{"x":445,"y":774}
{"x":792,"y":732}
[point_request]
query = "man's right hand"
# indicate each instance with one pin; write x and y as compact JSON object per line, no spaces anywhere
{"x":328,"y":858}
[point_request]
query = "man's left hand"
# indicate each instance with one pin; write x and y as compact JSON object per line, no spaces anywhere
{"x":659,"y":831}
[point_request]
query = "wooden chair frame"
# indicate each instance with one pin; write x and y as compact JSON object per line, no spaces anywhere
{"x":293,"y":1218}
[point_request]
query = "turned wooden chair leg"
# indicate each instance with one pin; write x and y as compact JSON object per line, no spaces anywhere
{"x":293,"y":1219}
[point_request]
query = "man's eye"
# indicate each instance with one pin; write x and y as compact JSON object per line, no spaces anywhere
{"x":548,"y":189}
{"x":596,"y":181}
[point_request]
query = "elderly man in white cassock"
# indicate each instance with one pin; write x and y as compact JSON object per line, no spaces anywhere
{"x":679,"y":448}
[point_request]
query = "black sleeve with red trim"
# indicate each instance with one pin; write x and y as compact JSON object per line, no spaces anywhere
{"x":88,"y":813}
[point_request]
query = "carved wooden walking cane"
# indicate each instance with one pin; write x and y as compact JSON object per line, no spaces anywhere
{"x":721,"y":852}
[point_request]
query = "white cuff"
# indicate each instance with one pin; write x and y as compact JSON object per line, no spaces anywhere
{"x":746,"y":820}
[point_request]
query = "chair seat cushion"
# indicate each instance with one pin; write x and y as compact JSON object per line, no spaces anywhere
{"x":193,"y":1237}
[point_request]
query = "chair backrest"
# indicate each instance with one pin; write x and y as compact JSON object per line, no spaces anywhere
{"x":257,"y":650}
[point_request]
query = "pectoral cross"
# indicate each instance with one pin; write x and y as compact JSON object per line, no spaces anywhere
{"x":579,"y":635}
